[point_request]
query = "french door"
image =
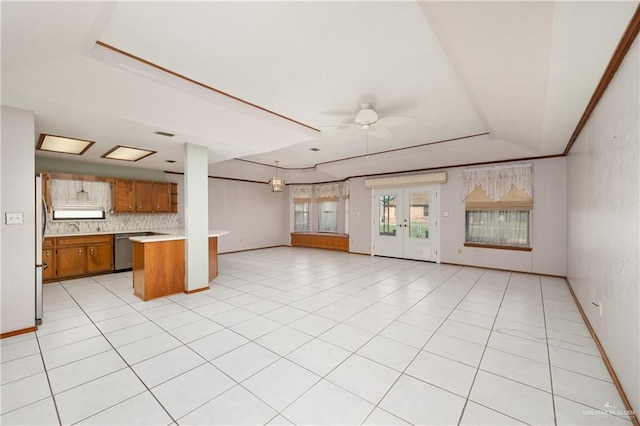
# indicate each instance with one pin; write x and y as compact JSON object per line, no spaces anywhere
{"x":405,"y":222}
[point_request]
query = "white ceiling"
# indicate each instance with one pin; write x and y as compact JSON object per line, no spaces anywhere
{"x":518,"y":74}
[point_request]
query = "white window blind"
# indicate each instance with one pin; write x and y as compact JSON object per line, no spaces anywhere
{"x":80,"y":194}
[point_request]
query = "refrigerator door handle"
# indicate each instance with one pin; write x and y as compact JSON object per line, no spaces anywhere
{"x":44,"y":218}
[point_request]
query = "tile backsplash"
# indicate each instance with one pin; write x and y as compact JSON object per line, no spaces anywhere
{"x":116,"y":222}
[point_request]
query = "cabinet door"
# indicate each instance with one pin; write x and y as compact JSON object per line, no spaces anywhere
{"x":161,"y":197}
{"x":144,"y":197}
{"x":71,"y":261}
{"x":49,"y":259}
{"x":99,"y":258}
{"x":123,"y":199}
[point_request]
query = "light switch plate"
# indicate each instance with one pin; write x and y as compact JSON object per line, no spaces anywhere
{"x":13,"y":218}
{"x":445,"y":214}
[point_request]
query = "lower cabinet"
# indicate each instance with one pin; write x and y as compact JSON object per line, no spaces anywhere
{"x":48,"y":259}
{"x":77,"y":256}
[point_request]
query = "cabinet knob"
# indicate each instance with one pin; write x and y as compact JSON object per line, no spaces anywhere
{"x":79,"y":251}
{"x":129,"y":206}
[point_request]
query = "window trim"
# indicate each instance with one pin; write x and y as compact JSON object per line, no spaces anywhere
{"x":529,"y":247}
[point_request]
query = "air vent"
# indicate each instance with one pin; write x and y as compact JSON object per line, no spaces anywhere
{"x":161,"y":133}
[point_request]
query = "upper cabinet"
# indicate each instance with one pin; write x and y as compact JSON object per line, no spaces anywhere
{"x":123,"y":200}
{"x":162,"y":197}
{"x":138,"y":196}
{"x":144,"y":196}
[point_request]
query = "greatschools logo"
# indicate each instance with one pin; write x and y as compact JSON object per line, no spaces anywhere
{"x":608,"y":408}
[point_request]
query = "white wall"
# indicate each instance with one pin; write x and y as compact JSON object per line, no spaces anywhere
{"x":18,"y":241}
{"x":360,"y":219}
{"x":603,"y":179}
{"x":549,"y":223}
{"x":254,"y":215}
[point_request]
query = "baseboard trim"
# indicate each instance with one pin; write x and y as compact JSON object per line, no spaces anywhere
{"x":605,"y":358}
{"x":197,"y":290}
{"x":18,"y":332}
{"x":252,"y":249}
{"x":505,"y":270}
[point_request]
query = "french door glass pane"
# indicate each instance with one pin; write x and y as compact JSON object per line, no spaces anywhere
{"x":388,"y":218}
{"x":419,"y":216}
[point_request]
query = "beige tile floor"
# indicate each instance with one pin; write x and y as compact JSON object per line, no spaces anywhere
{"x":304,"y":336}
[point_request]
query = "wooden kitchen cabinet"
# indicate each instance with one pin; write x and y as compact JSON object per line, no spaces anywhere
{"x":122,"y":196}
{"x":161,"y":197}
{"x":79,"y":256}
{"x":138,"y":196}
{"x":48,"y":259}
{"x":71,"y":261}
{"x":143,"y":196}
{"x":174,"y":198}
{"x":99,"y":258}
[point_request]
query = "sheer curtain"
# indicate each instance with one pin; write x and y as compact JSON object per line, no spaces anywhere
{"x":328,"y":216}
{"x":498,"y":227}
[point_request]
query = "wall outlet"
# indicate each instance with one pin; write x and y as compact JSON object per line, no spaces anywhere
{"x":598,"y":305}
{"x":13,"y":218}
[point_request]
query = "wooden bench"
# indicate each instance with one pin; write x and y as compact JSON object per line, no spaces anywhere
{"x":338,"y":242}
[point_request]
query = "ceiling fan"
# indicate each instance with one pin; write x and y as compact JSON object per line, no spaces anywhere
{"x":367,"y":119}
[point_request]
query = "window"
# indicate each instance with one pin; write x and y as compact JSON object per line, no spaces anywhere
{"x":328,"y":216}
{"x":301,"y":216}
{"x":498,"y":206}
{"x":498,"y":227}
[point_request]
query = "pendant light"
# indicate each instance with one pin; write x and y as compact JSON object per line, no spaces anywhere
{"x":276,"y":184}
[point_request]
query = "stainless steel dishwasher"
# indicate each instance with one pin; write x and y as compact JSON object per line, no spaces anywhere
{"x":123,"y":252}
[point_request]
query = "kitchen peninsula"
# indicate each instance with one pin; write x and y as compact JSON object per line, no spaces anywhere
{"x":159,"y":263}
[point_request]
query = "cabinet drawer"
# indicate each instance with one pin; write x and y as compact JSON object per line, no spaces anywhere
{"x":85,"y":239}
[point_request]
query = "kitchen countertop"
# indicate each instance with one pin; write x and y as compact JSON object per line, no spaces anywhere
{"x":172,"y":235}
{"x":164,"y":234}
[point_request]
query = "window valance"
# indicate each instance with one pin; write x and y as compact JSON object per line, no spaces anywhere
{"x":506,"y":187}
{"x":437,"y":177}
{"x":329,"y":192}
{"x":345,"y":189}
{"x":302,"y":194}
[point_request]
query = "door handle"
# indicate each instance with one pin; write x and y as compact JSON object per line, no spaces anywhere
{"x":45,"y":265}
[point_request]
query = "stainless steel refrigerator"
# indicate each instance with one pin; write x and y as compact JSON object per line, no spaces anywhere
{"x":41,"y":227}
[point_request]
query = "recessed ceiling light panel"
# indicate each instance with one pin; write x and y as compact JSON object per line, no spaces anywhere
{"x":63,"y":144}
{"x":126,"y":153}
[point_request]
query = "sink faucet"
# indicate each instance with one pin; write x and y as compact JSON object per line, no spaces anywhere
{"x":75,"y":225}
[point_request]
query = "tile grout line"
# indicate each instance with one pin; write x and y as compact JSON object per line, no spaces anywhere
{"x":377,"y":405}
{"x":124,"y":360}
{"x":546,"y":334}
{"x":475,"y":376}
{"x":53,"y":397}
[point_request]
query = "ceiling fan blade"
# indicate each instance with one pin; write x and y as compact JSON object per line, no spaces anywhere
{"x":380,"y":132}
{"x":396,"y":121}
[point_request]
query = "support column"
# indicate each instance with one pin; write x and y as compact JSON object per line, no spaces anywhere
{"x":196,"y":217}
